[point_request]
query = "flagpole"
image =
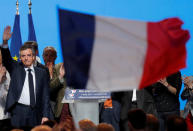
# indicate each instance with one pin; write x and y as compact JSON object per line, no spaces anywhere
{"x":17,"y":8}
{"x":29,"y":4}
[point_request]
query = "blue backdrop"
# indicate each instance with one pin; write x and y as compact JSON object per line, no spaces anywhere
{"x":46,"y":20}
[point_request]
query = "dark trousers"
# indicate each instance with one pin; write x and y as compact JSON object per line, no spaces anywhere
{"x":162,"y":116}
{"x":5,"y":125}
{"x":124,"y":123}
{"x":24,"y":117}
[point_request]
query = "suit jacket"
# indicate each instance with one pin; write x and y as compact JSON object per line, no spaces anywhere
{"x":45,"y":68}
{"x":126,"y":102}
{"x":18,"y":74}
{"x":144,"y":101}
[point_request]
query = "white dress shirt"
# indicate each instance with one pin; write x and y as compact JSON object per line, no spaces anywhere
{"x":25,"y":95}
{"x":134,"y":97}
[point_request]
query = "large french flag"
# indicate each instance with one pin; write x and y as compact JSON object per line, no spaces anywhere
{"x":111,"y":54}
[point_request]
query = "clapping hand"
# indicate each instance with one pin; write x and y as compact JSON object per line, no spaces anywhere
{"x":62,"y":71}
{"x":50,"y":66}
{"x":163,"y":81}
{"x":188,"y":82}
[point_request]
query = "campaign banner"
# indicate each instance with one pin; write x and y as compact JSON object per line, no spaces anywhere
{"x":79,"y":94}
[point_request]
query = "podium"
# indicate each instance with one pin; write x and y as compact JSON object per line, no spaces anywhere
{"x":84,"y":104}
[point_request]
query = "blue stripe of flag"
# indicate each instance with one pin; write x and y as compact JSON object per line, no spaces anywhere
{"x":77,"y":37}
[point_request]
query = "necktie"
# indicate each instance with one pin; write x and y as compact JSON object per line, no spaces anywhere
{"x":31,"y":88}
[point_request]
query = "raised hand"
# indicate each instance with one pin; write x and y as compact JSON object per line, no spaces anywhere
{"x":62,"y":71}
{"x":7,"y":33}
{"x":50,"y":66}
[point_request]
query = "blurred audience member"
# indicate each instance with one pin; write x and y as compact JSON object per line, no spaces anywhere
{"x":87,"y":125}
{"x":152,"y":123}
{"x":64,"y":126}
{"x":105,"y":127}
{"x":42,"y":128}
{"x":176,"y":123}
{"x":137,"y":120}
{"x":16,"y":130}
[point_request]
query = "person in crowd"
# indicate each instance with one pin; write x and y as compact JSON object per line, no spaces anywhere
{"x":37,"y":63}
{"x":187,"y":94}
{"x":4,"y":86}
{"x":176,"y":123}
{"x":87,"y":125}
{"x":152,"y":123}
{"x":42,"y":128}
{"x":28,"y":94}
{"x":17,"y":130}
{"x":136,"y":99}
{"x":166,"y":95}
{"x":105,"y":127}
{"x":136,"y":120}
{"x":64,"y":126}
{"x":57,"y":81}
{"x":109,"y":112}
{"x":50,"y":123}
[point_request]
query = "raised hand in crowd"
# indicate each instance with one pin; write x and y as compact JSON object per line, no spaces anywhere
{"x":7,"y":33}
{"x":62,"y":71}
{"x":50,"y":66}
{"x":168,"y":86}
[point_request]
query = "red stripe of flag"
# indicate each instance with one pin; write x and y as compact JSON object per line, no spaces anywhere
{"x":166,"y":51}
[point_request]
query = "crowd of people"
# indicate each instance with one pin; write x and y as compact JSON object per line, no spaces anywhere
{"x":31,"y":98}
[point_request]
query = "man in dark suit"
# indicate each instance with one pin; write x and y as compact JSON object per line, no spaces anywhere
{"x":28,"y":95}
{"x":135,"y":99}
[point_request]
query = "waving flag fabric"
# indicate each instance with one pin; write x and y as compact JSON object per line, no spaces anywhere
{"x":113,"y":54}
{"x":16,"y":40}
{"x":32,"y":34}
